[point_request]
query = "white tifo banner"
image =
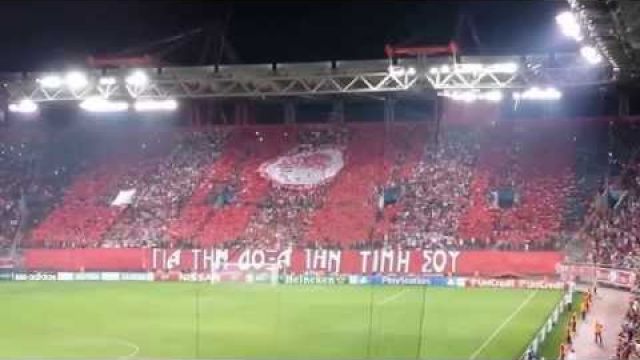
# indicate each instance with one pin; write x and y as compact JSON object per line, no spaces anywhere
{"x":304,"y":168}
{"x":124,"y":198}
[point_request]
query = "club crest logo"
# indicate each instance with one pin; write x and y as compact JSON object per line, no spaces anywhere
{"x":304,"y":169}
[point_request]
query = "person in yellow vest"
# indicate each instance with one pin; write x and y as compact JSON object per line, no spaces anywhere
{"x":563,"y":352}
{"x":583,"y":310}
{"x":599,"y":328}
{"x":573,"y":324}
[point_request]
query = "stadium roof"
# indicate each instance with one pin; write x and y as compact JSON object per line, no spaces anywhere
{"x":614,"y":27}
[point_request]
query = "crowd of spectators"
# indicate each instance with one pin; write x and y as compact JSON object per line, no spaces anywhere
{"x":282,"y":217}
{"x":436,"y":195}
{"x":162,"y":186}
{"x":434,"y":202}
{"x":613,"y":229}
{"x":14,"y":160}
{"x":33,"y":176}
{"x":628,"y":338}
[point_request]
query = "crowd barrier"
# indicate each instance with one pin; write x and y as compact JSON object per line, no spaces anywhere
{"x":299,"y":261}
{"x":548,"y":325}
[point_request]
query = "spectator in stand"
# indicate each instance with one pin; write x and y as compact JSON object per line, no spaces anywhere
{"x":284,"y":214}
{"x":163,"y":185}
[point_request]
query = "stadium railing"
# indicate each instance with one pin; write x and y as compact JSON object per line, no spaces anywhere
{"x":548,"y":325}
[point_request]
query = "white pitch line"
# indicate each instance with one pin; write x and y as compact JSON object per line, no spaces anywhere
{"x":502,"y":326}
{"x":135,"y":349}
{"x":393,"y":297}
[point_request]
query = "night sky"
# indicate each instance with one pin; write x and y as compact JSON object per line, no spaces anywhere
{"x":55,"y":34}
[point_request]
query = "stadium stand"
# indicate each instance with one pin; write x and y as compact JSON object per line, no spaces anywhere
{"x":164,"y":186}
{"x":84,"y":213}
{"x":538,"y":174}
{"x":282,"y":216}
{"x":612,"y":226}
{"x":435,"y":195}
{"x":488,"y":185}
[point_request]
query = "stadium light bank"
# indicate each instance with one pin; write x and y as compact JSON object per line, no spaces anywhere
{"x":472,"y":68}
{"x":24,"y":106}
{"x":538,"y":94}
{"x":570,"y":27}
{"x":470,"y":96}
{"x":74,"y":80}
{"x":155,"y":105}
{"x":98,"y":104}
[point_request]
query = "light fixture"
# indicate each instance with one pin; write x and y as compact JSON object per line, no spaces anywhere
{"x":98,"y":104}
{"x":137,"y":78}
{"x":24,"y":106}
{"x":76,"y":80}
{"x":468,"y":68}
{"x":569,"y":25}
{"x":470,"y":96}
{"x":155,"y":105}
{"x":493,"y":96}
{"x":50,"y":82}
{"x":591,"y":54}
{"x":107,"y":80}
{"x":538,"y":94}
{"x":505,"y":68}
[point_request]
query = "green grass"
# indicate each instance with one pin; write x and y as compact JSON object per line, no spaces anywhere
{"x":168,"y":320}
{"x":550,"y":348}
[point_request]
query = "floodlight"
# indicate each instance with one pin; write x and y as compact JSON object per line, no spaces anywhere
{"x":506,"y":68}
{"x":411,"y":71}
{"x":591,"y":54}
{"x":24,"y":106}
{"x":107,"y":80}
{"x":155,"y":105}
{"x":76,"y":80}
{"x":538,"y":94}
{"x":468,"y":68}
{"x":397,"y":70}
{"x":50,"y":82}
{"x":137,"y":78}
{"x":493,"y":96}
{"x":569,"y":25}
{"x":445,"y":69}
{"x":98,"y":104}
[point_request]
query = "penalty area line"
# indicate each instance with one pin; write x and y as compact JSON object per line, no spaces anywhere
{"x":506,"y":322}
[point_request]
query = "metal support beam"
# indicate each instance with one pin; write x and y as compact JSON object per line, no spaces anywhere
{"x":289,"y":112}
{"x":241,"y":113}
{"x":355,"y":77}
{"x":4,"y":111}
{"x":623,"y":103}
{"x":337,"y":113}
{"x":389,"y":109}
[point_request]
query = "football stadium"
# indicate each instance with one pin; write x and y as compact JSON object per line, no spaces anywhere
{"x":344,"y":180}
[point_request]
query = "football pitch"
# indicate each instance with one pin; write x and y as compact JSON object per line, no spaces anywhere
{"x":232,"y":321}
